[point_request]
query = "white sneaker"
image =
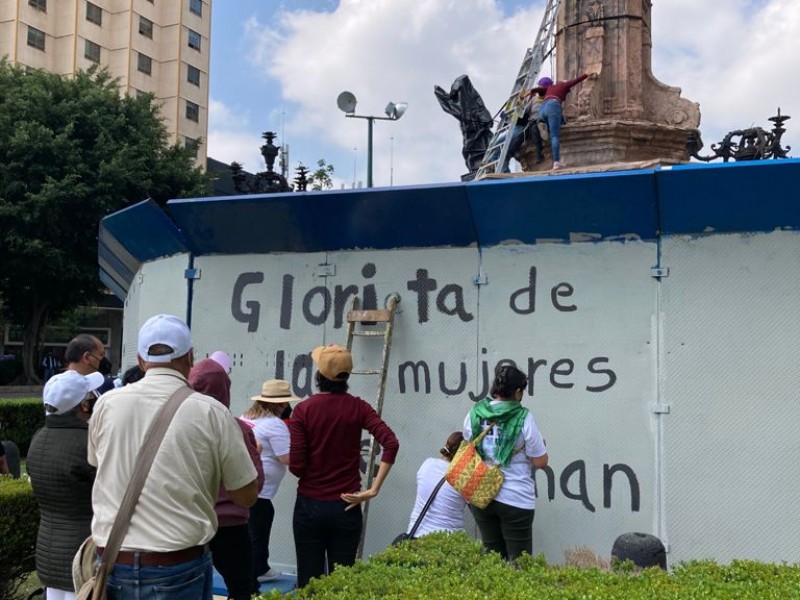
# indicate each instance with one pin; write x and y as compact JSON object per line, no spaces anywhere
{"x":270,"y":575}
{"x":558,"y":165}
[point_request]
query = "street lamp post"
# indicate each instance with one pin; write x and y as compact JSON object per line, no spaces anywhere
{"x":394,"y":110}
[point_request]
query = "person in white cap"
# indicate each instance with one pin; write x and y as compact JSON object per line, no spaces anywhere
{"x":164,"y":552}
{"x":62,"y":478}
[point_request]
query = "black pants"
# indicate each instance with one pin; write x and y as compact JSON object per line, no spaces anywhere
{"x":262,"y":513}
{"x":505,"y":529}
{"x":325,"y":535}
{"x":230,"y":552}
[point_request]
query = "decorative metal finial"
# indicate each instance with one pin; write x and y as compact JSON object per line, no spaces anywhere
{"x":265,"y":182}
{"x":753,"y":143}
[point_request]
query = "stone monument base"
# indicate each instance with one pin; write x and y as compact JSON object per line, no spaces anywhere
{"x":578,"y":170}
{"x":606,"y":142}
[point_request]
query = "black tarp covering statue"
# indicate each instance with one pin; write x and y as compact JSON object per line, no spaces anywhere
{"x":466,"y":105}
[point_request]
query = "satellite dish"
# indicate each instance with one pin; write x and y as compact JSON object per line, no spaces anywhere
{"x":395,"y":110}
{"x":346,"y":102}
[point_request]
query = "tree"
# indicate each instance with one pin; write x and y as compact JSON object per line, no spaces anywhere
{"x":72,"y":150}
{"x":321,"y":179}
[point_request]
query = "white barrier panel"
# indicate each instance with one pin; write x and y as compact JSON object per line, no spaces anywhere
{"x":158,"y":287}
{"x":731,"y":356}
{"x":662,"y":373}
{"x":577,"y":318}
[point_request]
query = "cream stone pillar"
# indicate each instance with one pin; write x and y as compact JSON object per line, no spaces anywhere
{"x":626,"y":114}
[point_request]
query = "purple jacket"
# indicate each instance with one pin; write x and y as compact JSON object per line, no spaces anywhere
{"x":209,"y":378}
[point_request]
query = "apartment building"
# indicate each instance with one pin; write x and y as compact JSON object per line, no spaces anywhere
{"x":158,"y":46}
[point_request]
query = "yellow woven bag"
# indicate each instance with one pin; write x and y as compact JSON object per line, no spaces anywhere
{"x":471,"y":477}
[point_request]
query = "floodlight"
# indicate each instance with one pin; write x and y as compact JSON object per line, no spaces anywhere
{"x":346,"y":102}
{"x":395,"y":110}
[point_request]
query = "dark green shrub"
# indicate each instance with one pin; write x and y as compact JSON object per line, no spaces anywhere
{"x":454,"y":567}
{"x":20,"y":419}
{"x":19,"y":520}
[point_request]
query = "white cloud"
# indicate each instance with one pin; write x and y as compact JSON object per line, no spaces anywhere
{"x":735,"y":59}
{"x":384,"y":50}
{"x":738,"y":62}
{"x":232,"y":137}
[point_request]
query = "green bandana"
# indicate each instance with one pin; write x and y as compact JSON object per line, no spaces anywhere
{"x":509,"y":416}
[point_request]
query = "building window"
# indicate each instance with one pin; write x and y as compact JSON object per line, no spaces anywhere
{"x":145,"y":64}
{"x":194,"y":40}
{"x":38,"y":4}
{"x":91,"y":51}
{"x":146,"y":27}
{"x":196,"y":6}
{"x":94,"y":14}
{"x":193,"y":75}
{"x":192,"y":145}
{"x":35,"y":38}
{"x":192,"y":111}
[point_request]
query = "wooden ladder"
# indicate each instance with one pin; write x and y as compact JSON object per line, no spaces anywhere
{"x":360,"y":324}
{"x":542,"y":48}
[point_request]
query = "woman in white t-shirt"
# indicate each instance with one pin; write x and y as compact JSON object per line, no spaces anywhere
{"x":272,"y":434}
{"x":446,"y":512}
{"x":514,"y":443}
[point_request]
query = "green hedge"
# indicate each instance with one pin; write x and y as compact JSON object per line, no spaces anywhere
{"x":19,"y":420}
{"x":19,"y":520}
{"x":455,"y":567}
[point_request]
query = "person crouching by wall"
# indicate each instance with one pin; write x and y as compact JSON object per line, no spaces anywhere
{"x":446,"y":512}
{"x":514,"y":443}
{"x":272,"y":435}
{"x":325,"y":456}
{"x":230,"y":546}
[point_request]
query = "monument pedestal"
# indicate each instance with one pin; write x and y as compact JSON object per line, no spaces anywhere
{"x":625,"y":115}
{"x":604,"y":142}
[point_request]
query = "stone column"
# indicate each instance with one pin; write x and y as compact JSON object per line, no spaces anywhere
{"x":626,"y":115}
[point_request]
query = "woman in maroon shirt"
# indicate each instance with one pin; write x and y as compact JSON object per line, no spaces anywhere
{"x":325,"y":455}
{"x":551,"y":112}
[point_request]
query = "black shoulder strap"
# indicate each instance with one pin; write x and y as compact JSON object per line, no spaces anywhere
{"x":425,"y":508}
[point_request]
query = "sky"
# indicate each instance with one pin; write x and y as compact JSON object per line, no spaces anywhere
{"x":280,"y":66}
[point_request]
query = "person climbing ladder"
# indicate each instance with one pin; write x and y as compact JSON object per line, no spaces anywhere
{"x":551,"y":112}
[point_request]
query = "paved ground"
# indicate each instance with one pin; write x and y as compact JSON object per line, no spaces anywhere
{"x":285,"y":584}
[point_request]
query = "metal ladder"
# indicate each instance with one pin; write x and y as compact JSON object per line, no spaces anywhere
{"x":531,"y":66}
{"x":359,"y":323}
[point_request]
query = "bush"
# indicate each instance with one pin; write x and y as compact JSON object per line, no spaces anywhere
{"x":19,"y":520}
{"x":455,"y":567}
{"x":19,"y":420}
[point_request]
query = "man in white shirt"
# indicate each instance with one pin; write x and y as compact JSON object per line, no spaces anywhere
{"x":164,"y":551}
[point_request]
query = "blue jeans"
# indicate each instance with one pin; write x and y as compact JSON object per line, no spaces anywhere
{"x":516,"y":140}
{"x":550,"y":112}
{"x":325,"y":535}
{"x":188,"y":581}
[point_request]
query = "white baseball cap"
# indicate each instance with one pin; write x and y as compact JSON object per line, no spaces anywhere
{"x":165,"y":330}
{"x":68,"y":389}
